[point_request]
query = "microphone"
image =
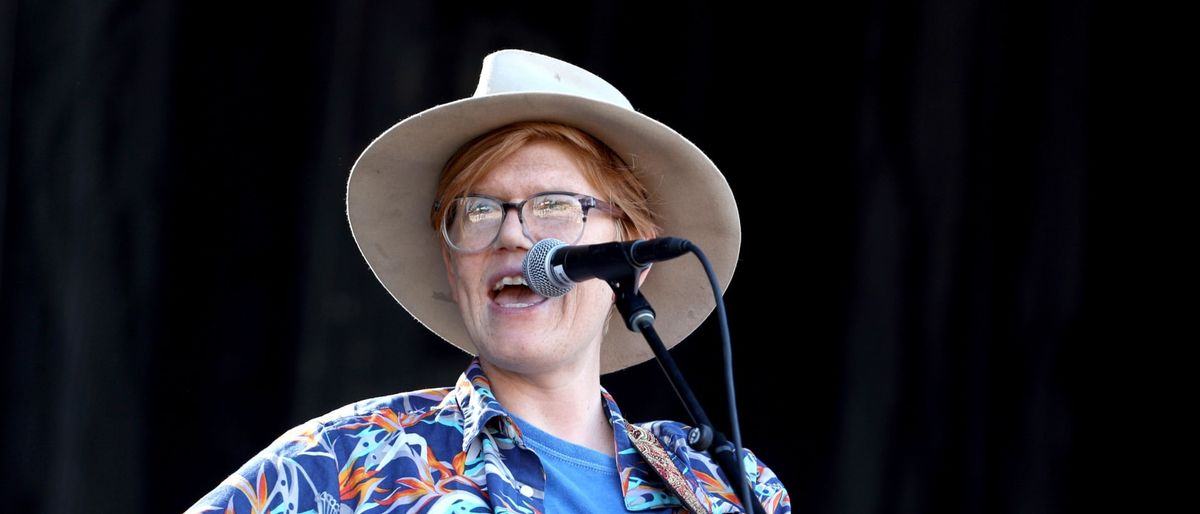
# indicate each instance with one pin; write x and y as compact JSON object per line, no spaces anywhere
{"x":552,"y":268}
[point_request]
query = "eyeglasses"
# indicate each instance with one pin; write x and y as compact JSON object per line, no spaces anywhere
{"x":472,"y":222}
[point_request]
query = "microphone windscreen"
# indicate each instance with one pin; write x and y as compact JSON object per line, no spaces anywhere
{"x":536,"y":269}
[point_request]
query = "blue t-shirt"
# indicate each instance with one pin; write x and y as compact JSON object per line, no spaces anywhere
{"x":578,"y":478}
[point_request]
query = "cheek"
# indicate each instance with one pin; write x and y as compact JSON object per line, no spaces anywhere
{"x":595,"y":299}
{"x":464,"y":277}
{"x":600,"y":230}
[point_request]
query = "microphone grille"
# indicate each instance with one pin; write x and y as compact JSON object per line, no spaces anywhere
{"x":536,"y":269}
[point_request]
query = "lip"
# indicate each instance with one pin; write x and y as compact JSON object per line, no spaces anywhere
{"x":518,"y":311}
{"x":509,"y":271}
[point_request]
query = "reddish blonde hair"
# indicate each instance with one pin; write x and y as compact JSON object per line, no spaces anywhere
{"x":616,"y":181}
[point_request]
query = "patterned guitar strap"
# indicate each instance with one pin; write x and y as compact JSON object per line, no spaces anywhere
{"x":652,"y":450}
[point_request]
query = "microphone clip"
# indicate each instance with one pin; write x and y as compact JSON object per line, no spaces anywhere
{"x":634,"y":308}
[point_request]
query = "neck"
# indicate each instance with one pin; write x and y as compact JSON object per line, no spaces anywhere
{"x":564,"y":403}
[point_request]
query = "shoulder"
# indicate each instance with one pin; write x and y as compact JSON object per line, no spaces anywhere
{"x":674,"y":437}
{"x":394,"y":411}
{"x":399,"y":407}
{"x":671,"y":433}
{"x":343,"y":429}
{"x":766,"y":486}
{"x":303,"y":465}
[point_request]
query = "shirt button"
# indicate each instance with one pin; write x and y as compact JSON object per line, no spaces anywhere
{"x":526,"y":490}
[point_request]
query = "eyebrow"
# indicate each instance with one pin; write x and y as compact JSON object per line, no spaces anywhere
{"x":547,"y":192}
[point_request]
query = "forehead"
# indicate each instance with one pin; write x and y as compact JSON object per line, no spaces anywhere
{"x":536,"y":167}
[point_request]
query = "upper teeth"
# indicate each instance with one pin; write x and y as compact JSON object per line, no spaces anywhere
{"x":515,"y":280}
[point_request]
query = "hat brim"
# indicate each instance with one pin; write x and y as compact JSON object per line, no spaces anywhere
{"x":391,"y":191}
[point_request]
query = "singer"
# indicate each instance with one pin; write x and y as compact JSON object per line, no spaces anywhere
{"x":444,"y":206}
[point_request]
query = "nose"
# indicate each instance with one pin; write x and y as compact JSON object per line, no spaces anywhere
{"x":512,"y":233}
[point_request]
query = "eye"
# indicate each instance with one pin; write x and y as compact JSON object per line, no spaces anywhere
{"x":548,"y":203}
{"x":556,"y":208}
{"x":479,"y":211}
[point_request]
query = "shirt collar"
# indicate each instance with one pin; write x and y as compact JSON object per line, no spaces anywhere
{"x":476,"y":402}
{"x":479,"y":408}
{"x":641,"y":485}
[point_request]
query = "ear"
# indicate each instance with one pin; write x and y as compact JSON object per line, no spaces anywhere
{"x":451,"y":278}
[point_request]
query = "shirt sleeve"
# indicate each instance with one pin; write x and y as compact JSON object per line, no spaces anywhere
{"x":766,"y":486}
{"x":298,"y":472}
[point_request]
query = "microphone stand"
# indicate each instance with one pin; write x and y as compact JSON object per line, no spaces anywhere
{"x":639,"y":317}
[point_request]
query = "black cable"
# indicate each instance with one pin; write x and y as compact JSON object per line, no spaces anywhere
{"x":748,"y":500}
{"x":639,"y":317}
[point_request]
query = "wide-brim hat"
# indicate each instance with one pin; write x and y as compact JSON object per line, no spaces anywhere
{"x":390,"y":194}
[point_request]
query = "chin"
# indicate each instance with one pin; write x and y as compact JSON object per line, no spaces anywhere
{"x":520,"y":363}
{"x":527,"y":355}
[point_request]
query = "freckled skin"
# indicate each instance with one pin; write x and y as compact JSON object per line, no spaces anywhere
{"x":563,"y":332}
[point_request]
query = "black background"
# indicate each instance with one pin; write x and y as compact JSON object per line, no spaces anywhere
{"x":178,"y":284}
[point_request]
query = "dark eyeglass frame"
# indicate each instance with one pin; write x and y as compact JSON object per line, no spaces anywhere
{"x":586,"y":202}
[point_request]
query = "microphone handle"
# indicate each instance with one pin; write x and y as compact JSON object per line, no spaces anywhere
{"x":644,"y":252}
{"x":604,"y":261}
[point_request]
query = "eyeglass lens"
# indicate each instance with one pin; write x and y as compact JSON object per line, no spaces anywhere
{"x":472,"y":223}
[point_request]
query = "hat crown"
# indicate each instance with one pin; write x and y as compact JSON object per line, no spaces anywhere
{"x":520,"y":71}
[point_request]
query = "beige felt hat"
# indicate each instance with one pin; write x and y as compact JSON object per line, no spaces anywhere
{"x":392,"y":184}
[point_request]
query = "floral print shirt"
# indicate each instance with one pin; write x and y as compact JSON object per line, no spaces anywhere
{"x":456,"y":450}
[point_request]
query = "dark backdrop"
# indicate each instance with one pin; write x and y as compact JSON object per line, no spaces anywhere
{"x":178,"y":283}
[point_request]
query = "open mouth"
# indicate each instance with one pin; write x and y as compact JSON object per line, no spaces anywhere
{"x":513,"y":292}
